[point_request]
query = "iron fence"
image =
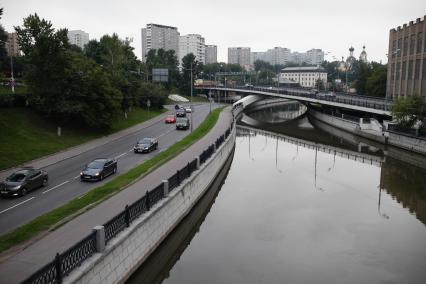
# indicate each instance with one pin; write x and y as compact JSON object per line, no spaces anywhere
{"x":64,"y":263}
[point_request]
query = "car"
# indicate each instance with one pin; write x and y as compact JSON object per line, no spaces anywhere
{"x":178,"y":107}
{"x":269,"y":88}
{"x":188,"y":109}
{"x":146,"y":145}
{"x":170,"y":119}
{"x":22,"y":181}
{"x":98,"y":169}
{"x":326,"y":95}
{"x":182,"y":123}
{"x":180,"y":113}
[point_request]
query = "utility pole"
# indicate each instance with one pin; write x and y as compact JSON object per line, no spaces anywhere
{"x":191,"y":100}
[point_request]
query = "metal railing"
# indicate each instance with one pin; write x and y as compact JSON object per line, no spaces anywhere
{"x":355,"y":100}
{"x":402,"y":130}
{"x":64,"y":263}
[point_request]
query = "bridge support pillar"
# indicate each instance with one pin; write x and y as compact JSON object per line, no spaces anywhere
{"x":100,"y":238}
{"x":165,"y":187}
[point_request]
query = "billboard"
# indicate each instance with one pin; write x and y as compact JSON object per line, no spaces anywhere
{"x":160,"y":75}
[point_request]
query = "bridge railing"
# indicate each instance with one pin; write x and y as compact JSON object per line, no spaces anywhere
{"x":355,"y":100}
{"x":65,"y":262}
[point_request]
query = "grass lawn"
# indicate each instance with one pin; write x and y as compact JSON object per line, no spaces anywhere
{"x":25,"y":135}
{"x":50,"y":220}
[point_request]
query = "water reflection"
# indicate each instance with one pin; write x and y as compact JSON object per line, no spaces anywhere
{"x":304,"y":203}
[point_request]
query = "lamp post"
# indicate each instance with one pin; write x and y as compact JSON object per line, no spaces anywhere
{"x":191,"y":100}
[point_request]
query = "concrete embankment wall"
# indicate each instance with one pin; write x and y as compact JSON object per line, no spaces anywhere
{"x":400,"y":140}
{"x":407,"y":142}
{"x":126,"y":252}
{"x":345,"y":124}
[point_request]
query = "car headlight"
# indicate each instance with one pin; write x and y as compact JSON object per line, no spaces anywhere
{"x":16,"y":187}
{"x":81,"y":173}
{"x":96,"y":174}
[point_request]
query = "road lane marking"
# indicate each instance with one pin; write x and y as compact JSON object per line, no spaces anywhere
{"x":165,"y":133}
{"x":61,"y":184}
{"x":119,"y":156}
{"x":76,"y":177}
{"x":17,"y":205}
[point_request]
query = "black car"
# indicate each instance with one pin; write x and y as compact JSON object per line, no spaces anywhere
{"x":23,"y":181}
{"x":146,"y":145}
{"x":178,"y":107}
{"x":98,"y":169}
{"x":181,"y":112}
{"x":182,"y":123}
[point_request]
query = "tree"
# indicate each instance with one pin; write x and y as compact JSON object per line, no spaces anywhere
{"x":189,"y":64}
{"x":164,"y":59}
{"x":376,"y":83}
{"x":4,"y":63}
{"x":409,"y":111}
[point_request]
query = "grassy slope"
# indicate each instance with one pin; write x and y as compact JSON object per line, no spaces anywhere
{"x":49,"y":220}
{"x":26,"y":135}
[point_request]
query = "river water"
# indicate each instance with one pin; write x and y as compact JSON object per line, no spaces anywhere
{"x":303,"y":203}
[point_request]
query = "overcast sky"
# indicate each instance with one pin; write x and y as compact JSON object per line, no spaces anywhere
{"x":332,"y":25}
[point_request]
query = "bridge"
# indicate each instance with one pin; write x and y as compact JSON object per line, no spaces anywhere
{"x":351,"y":102}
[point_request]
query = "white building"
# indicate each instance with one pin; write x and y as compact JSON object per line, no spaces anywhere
{"x":239,"y":55}
{"x":315,"y":56}
{"x":305,"y":76}
{"x":211,"y":54}
{"x":159,"y":36}
{"x":78,"y":37}
{"x":192,"y":43}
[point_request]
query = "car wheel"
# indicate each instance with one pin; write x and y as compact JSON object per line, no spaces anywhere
{"x":44,"y":182}
{"x":23,"y":191}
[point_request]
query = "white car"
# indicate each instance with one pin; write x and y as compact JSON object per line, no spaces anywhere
{"x":188,"y":110}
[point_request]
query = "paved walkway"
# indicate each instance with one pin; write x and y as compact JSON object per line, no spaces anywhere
{"x":18,"y":267}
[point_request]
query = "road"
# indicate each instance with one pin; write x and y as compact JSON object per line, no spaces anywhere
{"x":64,"y":183}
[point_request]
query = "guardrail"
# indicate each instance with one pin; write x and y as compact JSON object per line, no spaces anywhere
{"x":65,"y":262}
{"x":398,"y":129}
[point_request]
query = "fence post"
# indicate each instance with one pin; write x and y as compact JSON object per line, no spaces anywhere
{"x":198,"y":162}
{"x":165,"y":187}
{"x":127,"y":215}
{"x":100,"y":238}
{"x":214,"y":148}
{"x":188,"y":170}
{"x":148,"y":203}
{"x":178,"y":176}
{"x":58,"y":267}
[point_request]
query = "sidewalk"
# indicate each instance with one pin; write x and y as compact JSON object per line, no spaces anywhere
{"x":24,"y":263}
{"x":77,"y":150}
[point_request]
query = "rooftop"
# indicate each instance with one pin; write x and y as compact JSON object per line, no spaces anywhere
{"x":303,"y":69}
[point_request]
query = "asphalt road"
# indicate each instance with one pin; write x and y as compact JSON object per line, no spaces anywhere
{"x":64,"y":180}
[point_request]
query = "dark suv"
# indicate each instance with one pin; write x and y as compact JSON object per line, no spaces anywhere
{"x":181,"y":112}
{"x":182,"y":123}
{"x":98,"y":169}
{"x":23,"y":181}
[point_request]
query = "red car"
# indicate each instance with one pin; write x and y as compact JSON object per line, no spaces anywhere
{"x":170,"y":119}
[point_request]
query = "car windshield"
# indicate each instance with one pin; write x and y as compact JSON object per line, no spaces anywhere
{"x":181,"y":120}
{"x":16,"y":177}
{"x":145,"y":141}
{"x":95,"y":165}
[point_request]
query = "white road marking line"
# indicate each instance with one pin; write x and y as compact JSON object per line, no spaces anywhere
{"x":119,"y":156}
{"x":165,"y":133}
{"x":61,"y":184}
{"x":81,"y":196}
{"x":76,"y":177}
{"x":17,"y":205}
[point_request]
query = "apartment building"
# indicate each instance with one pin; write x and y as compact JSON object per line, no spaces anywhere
{"x":239,"y":55}
{"x":156,"y":36}
{"x":78,"y":37}
{"x":211,"y":54}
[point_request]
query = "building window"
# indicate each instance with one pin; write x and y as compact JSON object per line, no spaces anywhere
{"x":424,"y":69}
{"x":410,"y":70}
{"x":412,"y":43}
{"x":419,"y":42}
{"x":405,"y":45}
{"x":417,"y":69}
{"x":393,"y":48}
{"x":399,"y":46}
{"x":398,"y":67}
{"x":404,"y":68}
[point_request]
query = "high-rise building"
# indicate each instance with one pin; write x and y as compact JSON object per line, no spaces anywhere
{"x":159,"y":36}
{"x":12,"y":46}
{"x":314,"y":56}
{"x":78,"y":37}
{"x":407,"y":60}
{"x":239,"y":55}
{"x":192,"y":43}
{"x":298,"y":57}
{"x":211,"y":54}
{"x":278,"y":55}
{"x":256,"y":55}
